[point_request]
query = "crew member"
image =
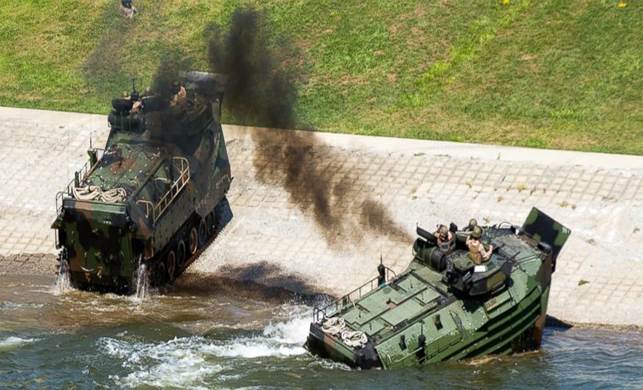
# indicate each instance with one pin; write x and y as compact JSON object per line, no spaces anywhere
{"x":445,"y":239}
{"x":472,"y":224}
{"x":180,"y":95}
{"x":477,"y":253}
{"x":137,"y":106}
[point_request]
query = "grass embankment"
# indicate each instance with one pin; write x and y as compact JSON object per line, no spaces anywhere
{"x":553,"y":74}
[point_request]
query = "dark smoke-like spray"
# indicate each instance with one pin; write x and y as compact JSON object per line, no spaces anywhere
{"x":261,"y":91}
{"x":166,"y":123}
{"x":173,"y":62}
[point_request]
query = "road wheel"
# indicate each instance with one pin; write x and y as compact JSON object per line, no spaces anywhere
{"x":160,"y":273}
{"x":193,"y":241}
{"x":170,"y":264}
{"x":181,"y":256}
{"x":203,"y":232}
{"x":209,"y":220}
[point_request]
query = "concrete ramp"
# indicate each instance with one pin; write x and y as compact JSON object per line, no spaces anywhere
{"x":276,"y":239}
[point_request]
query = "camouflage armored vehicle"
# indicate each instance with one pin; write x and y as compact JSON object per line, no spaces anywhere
{"x":443,"y":306}
{"x":154,"y":196}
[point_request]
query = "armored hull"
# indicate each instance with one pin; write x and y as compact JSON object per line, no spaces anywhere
{"x":153,"y":197}
{"x":443,"y":306}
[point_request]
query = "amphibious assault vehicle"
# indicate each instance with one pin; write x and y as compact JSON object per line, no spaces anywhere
{"x":154,"y":195}
{"x":445,"y":307}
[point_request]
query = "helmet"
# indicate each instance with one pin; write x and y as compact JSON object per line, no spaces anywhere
{"x":477,"y":232}
{"x":473,"y":222}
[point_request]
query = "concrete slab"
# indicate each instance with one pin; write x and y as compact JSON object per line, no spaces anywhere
{"x":599,"y":196}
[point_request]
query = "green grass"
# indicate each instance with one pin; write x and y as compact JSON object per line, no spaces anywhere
{"x":549,"y":74}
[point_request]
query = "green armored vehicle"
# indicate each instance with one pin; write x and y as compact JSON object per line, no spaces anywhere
{"x":154,"y":196}
{"x":445,"y":306}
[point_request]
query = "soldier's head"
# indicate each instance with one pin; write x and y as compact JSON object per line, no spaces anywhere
{"x":476,"y":234}
{"x":472,"y":223}
{"x":443,"y":233}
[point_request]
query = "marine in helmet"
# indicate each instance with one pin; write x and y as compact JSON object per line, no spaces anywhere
{"x":477,"y":252}
{"x":137,"y":106}
{"x":472,"y":225}
{"x":445,"y":239}
{"x":134,"y":97}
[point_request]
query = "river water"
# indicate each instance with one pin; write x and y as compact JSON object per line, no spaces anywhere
{"x":212,"y":333}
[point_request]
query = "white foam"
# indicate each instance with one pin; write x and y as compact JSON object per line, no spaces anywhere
{"x":180,"y":362}
{"x":8,"y":305}
{"x":191,"y":361}
{"x":279,"y":339}
{"x":13,"y":342}
{"x":255,"y":348}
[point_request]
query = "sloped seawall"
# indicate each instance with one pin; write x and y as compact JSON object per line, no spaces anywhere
{"x":388,"y":185}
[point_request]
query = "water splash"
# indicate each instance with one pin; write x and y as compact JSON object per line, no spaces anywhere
{"x":8,"y":305}
{"x":12,"y":342}
{"x":142,"y":280}
{"x":197,"y":361}
{"x":177,"y":363}
{"x":281,"y":339}
{"x":63,"y":281}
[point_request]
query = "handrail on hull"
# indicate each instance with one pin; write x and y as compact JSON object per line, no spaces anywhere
{"x":339,"y":304}
{"x":156,"y":210}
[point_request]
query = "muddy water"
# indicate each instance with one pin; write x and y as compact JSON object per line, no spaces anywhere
{"x":212,"y":333}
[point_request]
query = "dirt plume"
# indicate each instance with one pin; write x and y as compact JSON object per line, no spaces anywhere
{"x":261,"y":90}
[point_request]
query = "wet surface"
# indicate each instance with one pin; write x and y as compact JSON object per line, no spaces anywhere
{"x":208,"y":332}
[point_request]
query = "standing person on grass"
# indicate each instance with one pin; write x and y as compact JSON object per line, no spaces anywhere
{"x":128,"y":9}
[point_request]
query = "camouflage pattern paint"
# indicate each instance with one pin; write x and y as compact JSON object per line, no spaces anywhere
{"x":172,"y":163}
{"x":450,"y":310}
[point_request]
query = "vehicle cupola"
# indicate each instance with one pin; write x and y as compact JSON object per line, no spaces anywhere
{"x":126,"y":112}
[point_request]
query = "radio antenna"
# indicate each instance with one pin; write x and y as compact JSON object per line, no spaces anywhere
{"x":134,"y":94}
